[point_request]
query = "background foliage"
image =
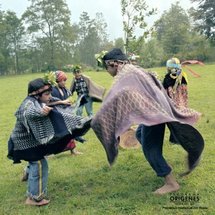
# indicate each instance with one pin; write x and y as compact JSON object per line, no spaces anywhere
{"x":44,"y":38}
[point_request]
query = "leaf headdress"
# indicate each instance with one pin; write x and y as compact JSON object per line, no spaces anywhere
{"x":76,"y":68}
{"x":50,"y":78}
{"x":99,"y":58}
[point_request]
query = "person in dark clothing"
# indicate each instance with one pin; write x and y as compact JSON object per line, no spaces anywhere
{"x":175,"y":82}
{"x":62,"y":93}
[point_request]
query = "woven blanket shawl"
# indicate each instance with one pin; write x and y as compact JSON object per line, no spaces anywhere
{"x":96,"y":92}
{"x":136,"y":97}
{"x":36,"y":135}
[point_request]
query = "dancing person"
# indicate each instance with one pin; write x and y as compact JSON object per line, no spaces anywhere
{"x":138,"y":97}
{"x":39,"y":131}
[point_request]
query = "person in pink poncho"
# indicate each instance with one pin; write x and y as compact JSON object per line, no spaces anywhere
{"x":138,"y":97}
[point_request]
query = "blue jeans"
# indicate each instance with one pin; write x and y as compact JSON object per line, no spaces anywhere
{"x":88,"y":107}
{"x":37,"y":179}
{"x":151,"y":139}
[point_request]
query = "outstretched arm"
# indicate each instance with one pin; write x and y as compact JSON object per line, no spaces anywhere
{"x":60,"y":102}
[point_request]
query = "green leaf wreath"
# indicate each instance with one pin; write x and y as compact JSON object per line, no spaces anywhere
{"x":99,"y":57}
{"x":76,"y":68}
{"x":50,"y":78}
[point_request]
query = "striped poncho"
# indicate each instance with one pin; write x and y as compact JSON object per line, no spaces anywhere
{"x":36,"y":135}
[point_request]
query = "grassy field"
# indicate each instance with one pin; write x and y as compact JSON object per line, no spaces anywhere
{"x":86,"y":184}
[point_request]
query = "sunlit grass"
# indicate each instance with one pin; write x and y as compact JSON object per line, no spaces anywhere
{"x":87,"y":185}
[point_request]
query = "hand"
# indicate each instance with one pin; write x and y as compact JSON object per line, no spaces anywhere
{"x":46,"y":110}
{"x":66,"y":102}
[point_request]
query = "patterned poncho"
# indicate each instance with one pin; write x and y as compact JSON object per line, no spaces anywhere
{"x":36,"y":135}
{"x":176,"y":88}
{"x":137,"y":97}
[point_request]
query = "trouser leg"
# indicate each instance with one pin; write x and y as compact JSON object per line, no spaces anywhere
{"x":151,"y":139}
{"x":38,"y":178}
{"x":89,"y":106}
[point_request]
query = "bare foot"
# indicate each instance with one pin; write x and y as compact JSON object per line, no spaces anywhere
{"x":29,"y":201}
{"x":167,"y":188}
{"x":171,"y":185}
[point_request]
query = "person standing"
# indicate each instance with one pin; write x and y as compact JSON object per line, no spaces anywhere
{"x":83,"y":85}
{"x":61,"y":95}
{"x":175,"y":82}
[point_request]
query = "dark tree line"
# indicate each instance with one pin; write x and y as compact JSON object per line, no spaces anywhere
{"x":45,"y":39}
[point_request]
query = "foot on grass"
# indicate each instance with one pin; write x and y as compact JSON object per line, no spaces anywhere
{"x":30,"y":201}
{"x":167,"y":188}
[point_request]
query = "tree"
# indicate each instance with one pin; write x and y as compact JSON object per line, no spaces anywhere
{"x":172,"y":30}
{"x":49,"y":19}
{"x":15,"y":33}
{"x":101,"y":27}
{"x":11,"y":36}
{"x":4,"y":53}
{"x":119,"y":43}
{"x":177,"y":36}
{"x":134,"y":13}
{"x":151,"y":54}
{"x":204,"y":17}
{"x":92,"y":38}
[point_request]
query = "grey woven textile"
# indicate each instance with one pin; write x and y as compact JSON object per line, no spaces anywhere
{"x":34,"y":131}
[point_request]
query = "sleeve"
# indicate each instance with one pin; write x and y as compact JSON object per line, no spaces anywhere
{"x":54,"y":92}
{"x":168,"y":81}
{"x":32,"y":111}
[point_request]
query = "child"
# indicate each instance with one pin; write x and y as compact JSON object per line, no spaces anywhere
{"x":83,"y":85}
{"x":61,"y":92}
{"x":175,"y":82}
{"x":41,"y":130}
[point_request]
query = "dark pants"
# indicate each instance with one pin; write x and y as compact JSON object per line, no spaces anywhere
{"x":151,"y":139}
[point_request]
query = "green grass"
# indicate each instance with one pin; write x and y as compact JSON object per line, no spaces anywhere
{"x":87,"y":185}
